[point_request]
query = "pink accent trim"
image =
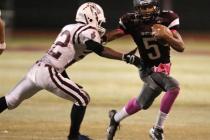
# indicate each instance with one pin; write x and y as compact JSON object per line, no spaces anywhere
{"x":168,"y":100}
{"x":165,"y":68}
{"x":173,"y":30}
{"x":120,"y":30}
{"x":132,"y":106}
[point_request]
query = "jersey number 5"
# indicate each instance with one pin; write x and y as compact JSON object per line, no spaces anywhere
{"x":150,"y":43}
{"x":61,"y":41}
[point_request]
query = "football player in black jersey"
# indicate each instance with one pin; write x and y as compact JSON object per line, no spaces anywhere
{"x":155,"y":32}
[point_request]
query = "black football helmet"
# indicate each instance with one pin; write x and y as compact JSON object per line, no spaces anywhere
{"x":147,"y":9}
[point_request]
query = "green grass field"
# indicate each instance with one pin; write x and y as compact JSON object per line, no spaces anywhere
{"x":110,"y":84}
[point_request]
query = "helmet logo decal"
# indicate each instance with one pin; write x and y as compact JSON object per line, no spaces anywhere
{"x":93,"y":8}
{"x":93,"y":35}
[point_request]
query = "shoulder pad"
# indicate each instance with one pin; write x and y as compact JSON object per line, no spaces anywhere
{"x":90,"y":34}
{"x":167,"y":11}
{"x":169,"y":14}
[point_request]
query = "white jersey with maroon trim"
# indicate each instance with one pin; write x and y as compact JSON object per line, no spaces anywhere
{"x":69,"y":46}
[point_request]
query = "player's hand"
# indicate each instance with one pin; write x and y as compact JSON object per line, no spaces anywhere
{"x":133,"y":59}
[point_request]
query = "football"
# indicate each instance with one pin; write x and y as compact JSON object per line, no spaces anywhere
{"x":161,"y":31}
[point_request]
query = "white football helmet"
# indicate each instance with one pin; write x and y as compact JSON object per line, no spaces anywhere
{"x":92,"y":14}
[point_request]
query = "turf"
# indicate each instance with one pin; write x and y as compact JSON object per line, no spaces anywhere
{"x":110,"y":85}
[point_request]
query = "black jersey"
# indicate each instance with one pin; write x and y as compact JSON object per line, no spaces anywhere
{"x":153,"y":51}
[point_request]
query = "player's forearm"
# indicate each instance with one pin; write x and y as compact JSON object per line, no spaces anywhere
{"x":112,"y":54}
{"x":176,"y":42}
{"x":103,"y":51}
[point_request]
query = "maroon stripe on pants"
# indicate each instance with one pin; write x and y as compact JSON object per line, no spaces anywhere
{"x":84,"y":97}
{"x":60,"y":87}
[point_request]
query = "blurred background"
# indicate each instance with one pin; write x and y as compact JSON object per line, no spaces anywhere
{"x":48,"y":14}
{"x":32,"y":26}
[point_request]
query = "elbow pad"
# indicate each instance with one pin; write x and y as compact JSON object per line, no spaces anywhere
{"x":94,"y":46}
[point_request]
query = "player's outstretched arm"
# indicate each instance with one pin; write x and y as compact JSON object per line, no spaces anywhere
{"x":112,"y":54}
{"x":2,"y":37}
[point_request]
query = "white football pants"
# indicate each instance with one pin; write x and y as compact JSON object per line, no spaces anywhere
{"x":43,"y":76}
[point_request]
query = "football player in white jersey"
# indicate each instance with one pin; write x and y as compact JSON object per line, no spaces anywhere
{"x":73,"y":43}
{"x":2,"y":36}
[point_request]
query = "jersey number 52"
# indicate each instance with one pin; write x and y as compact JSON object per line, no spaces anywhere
{"x":62,"y":41}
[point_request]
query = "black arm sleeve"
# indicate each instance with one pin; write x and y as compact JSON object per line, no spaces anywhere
{"x":94,"y":46}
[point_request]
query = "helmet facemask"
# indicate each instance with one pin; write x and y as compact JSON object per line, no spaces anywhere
{"x":101,"y":29}
{"x":147,"y":10}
